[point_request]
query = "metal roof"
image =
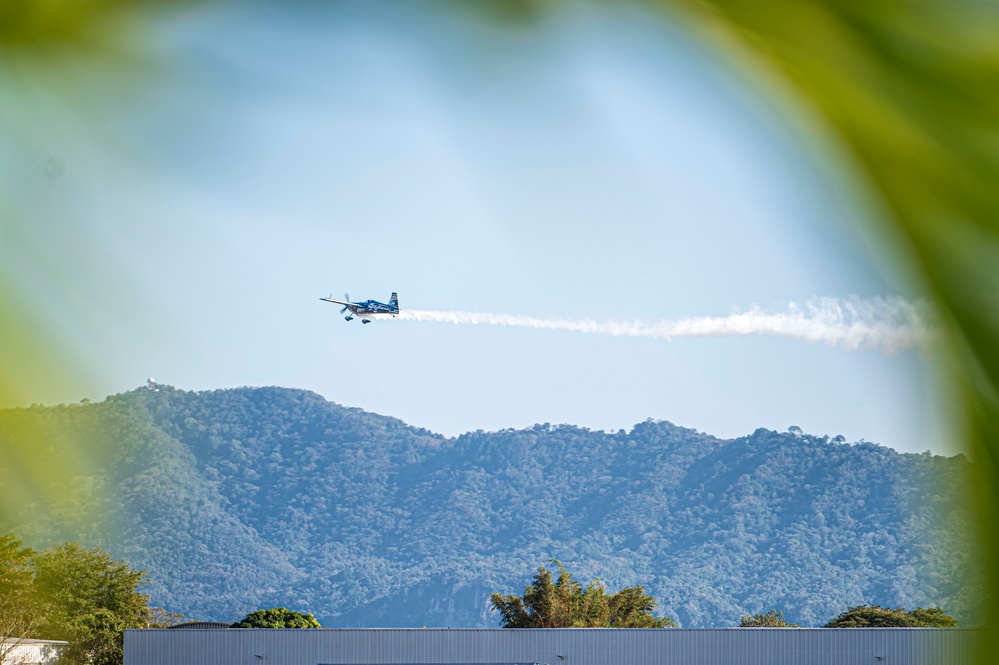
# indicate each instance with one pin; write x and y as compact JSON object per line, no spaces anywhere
{"x":571,"y":646}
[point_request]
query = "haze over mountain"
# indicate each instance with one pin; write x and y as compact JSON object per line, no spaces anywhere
{"x":238,"y":499}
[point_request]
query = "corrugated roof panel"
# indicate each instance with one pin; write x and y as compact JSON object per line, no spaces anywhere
{"x":594,"y":646}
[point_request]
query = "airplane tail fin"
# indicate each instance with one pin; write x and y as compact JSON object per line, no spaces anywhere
{"x":394,"y":302}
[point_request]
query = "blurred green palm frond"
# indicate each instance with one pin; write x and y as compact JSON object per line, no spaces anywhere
{"x":28,"y":24}
{"x":902,"y":96}
{"x":908,"y":94}
{"x":51,"y":51}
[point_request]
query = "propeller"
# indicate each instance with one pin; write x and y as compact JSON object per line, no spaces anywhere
{"x":344,"y":308}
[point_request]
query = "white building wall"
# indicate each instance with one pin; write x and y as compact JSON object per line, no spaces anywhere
{"x":31,"y":652}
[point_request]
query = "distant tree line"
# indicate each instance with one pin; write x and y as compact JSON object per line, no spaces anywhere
{"x":875,"y":616}
{"x":564,"y":603}
{"x":863,"y":616}
{"x":772,"y":619}
{"x":266,"y":482}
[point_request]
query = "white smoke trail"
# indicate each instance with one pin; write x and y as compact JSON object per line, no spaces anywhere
{"x":890,"y":324}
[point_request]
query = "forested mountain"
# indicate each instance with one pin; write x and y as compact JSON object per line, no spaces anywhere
{"x":234,"y":500}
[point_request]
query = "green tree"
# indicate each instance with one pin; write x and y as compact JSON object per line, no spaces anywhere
{"x":91,"y":599}
{"x":163,"y":618}
{"x":20,"y":612}
{"x":277,"y":617}
{"x":772,"y":619}
{"x":932,"y":617}
{"x":564,"y":603}
{"x":875,"y":616}
{"x":98,"y":638}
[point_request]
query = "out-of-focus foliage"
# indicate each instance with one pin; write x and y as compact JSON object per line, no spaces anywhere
{"x":906,"y":94}
{"x":27,"y":25}
{"x":45,"y":48}
{"x":277,"y":617}
{"x":240,"y":499}
{"x":772,"y":619}
{"x":564,"y":603}
{"x":875,"y":616}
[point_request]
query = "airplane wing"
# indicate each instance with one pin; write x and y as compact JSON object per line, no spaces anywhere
{"x":338,"y":302}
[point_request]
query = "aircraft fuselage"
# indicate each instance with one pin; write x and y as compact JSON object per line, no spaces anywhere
{"x":367,"y":310}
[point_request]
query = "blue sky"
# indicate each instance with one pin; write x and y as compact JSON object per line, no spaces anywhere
{"x":597,"y":164}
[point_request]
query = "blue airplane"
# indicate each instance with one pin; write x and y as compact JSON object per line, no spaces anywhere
{"x":367,"y":309}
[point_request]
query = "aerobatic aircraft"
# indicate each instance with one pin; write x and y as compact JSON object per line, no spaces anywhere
{"x":367,"y":309}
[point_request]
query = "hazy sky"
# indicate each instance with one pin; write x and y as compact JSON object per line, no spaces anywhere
{"x":598,"y":164}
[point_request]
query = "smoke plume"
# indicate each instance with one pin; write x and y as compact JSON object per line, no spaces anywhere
{"x":890,"y":324}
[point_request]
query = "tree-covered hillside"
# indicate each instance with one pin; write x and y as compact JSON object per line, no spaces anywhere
{"x":234,"y":500}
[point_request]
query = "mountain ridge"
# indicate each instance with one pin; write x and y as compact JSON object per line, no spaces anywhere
{"x":241,"y":498}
